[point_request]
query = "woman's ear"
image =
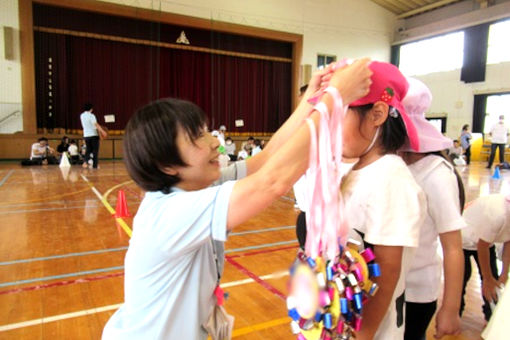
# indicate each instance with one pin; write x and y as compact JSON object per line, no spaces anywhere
{"x":169,"y":170}
{"x":379,"y":113}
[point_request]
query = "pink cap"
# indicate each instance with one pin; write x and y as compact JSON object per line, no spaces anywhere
{"x":390,"y":86}
{"x":416,"y":102}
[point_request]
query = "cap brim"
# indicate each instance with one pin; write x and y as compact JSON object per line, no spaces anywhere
{"x":429,"y":138}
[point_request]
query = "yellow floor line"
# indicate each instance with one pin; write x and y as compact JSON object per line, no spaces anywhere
{"x":259,"y":326}
{"x":115,"y":187}
{"x":108,"y":207}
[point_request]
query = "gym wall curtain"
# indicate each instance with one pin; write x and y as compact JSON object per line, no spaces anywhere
{"x":479,"y":108}
{"x":120,"y":76}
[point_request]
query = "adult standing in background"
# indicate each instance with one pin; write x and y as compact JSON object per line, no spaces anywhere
{"x":499,"y":138}
{"x":91,"y":131}
{"x":221,"y":135}
{"x":465,"y":142}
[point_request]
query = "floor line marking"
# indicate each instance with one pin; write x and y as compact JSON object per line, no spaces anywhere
{"x":61,"y":283}
{"x":42,"y":209}
{"x":257,"y":279}
{"x":46,"y":198}
{"x":59,"y":317}
{"x":275,"y":275}
{"x":105,"y":195}
{"x":6,"y":177}
{"x":261,"y":230}
{"x":259,"y":326}
{"x":94,"y":278}
{"x":119,"y":220}
{"x":56,"y":202}
{"x":55,"y":277}
{"x":44,"y":258}
{"x":99,"y":251}
{"x":265,"y":245}
{"x":137,"y":194}
{"x":265,"y":251}
{"x":56,"y":318}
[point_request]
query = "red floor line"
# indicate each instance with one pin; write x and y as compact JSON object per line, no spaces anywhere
{"x":257,"y":279}
{"x":61,"y":283}
{"x":101,"y":277}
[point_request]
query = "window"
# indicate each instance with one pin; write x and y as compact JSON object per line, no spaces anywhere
{"x":497,"y":105}
{"x":439,"y":123}
{"x":324,"y":60}
{"x":498,"y":50}
{"x":438,"y":54}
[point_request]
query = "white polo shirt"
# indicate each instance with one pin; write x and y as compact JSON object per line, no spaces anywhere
{"x":170,"y":271}
{"x":499,"y":133}
{"x":437,"y":179}
{"x":88,"y":123}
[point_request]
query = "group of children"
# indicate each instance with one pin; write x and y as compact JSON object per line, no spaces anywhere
{"x":400,"y":196}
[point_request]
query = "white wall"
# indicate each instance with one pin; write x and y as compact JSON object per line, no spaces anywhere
{"x":454,"y":97}
{"x":10,"y":70}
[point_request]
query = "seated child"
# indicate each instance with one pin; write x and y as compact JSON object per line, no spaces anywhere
{"x":73,"y":152}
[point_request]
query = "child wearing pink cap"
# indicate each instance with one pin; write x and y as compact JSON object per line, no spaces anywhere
{"x":445,"y":198}
{"x":383,"y":203}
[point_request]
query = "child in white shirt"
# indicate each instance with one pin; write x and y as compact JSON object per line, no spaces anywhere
{"x":383,"y":203}
{"x":445,"y":197}
{"x":488,"y":222}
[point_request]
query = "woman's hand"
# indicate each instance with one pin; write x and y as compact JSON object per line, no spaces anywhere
{"x":317,"y":82}
{"x":353,"y":81}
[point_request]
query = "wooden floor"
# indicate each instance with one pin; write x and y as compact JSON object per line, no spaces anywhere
{"x":62,"y":252}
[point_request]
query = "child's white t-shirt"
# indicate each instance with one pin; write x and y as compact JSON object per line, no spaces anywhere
{"x":437,"y":179}
{"x":384,"y":203}
{"x":170,"y":271}
{"x":40,"y":149}
{"x":487,"y":218}
{"x":73,"y":150}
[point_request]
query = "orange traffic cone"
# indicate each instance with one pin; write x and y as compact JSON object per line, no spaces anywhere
{"x":121,"y":209}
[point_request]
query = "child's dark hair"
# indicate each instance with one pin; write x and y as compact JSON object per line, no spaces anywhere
{"x":88,"y":106}
{"x":150,"y":141}
{"x":393,"y":130}
{"x":303,"y":89}
{"x":460,"y":184}
{"x":42,"y":139}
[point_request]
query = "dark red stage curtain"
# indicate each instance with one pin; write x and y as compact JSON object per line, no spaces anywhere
{"x":120,"y":77}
